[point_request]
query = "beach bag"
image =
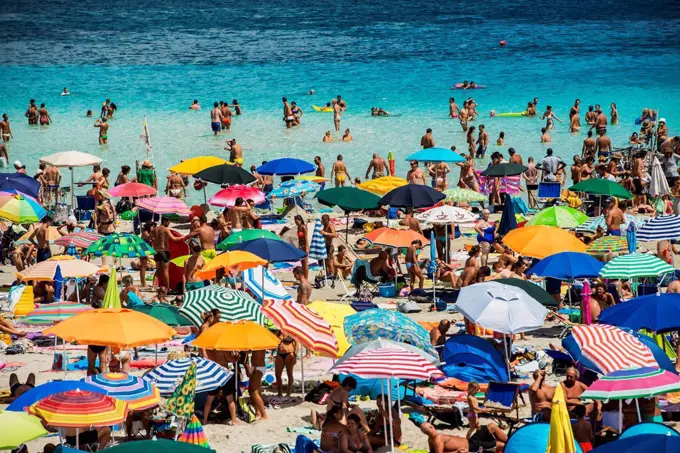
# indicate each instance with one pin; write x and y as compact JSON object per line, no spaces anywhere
{"x":244,"y":412}
{"x":363,"y":294}
{"x":319,"y":394}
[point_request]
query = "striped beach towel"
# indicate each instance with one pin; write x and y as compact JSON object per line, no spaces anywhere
{"x":317,"y":248}
{"x":509,"y":184}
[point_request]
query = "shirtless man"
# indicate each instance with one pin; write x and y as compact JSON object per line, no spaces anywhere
{"x":193,"y":264}
{"x":267,"y":181}
{"x":415,"y":175}
{"x":489,"y":437}
{"x":304,"y":292}
{"x":175,"y":186}
{"x":637,"y":172}
{"x":226,"y":117}
{"x":409,"y":221}
{"x":195,"y":105}
{"x":103,"y":126}
{"x":440,"y":173}
{"x":614,"y":219}
{"x":259,"y":368}
{"x":337,"y":114}
{"x":438,"y":334}
{"x":603,"y":144}
{"x":161,"y":237}
{"x":575,"y":109}
{"x":329,"y":234}
{"x":234,"y":215}
{"x":380,"y":267}
{"x":540,"y":397}
{"x":339,"y":172}
{"x":426,"y":141}
{"x":32,"y":113}
{"x":472,"y":275}
{"x":463,"y":116}
{"x":573,"y":389}
{"x":600,"y":123}
{"x":224,"y":358}
{"x":603,"y":298}
{"x":320,"y":169}
{"x":591,"y":116}
{"x":545,"y":136}
{"x":216,"y":119}
{"x":235,"y":152}
{"x":414,"y":270}
{"x":42,"y":235}
{"x":5,"y":130}
{"x":342,"y":264}
{"x":378,"y":165}
{"x":52,"y":179}
{"x":206,"y":235}
{"x":514,"y":157}
{"x":453,"y":108}
{"x":482,"y":142}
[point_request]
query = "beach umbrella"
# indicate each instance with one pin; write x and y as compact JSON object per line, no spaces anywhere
{"x":233,"y":305}
{"x":42,"y":391}
{"x":247,"y":235}
{"x":501,"y":308}
{"x":631,"y":237}
{"x":71,"y":159}
{"x":227,"y":197}
{"x":656,"y":312}
{"x":369,"y":325}
{"x":209,"y":375}
{"x":601,"y":186}
{"x":459,"y":195}
{"x":21,"y":183}
{"x":82,"y":239}
{"x":585,"y":303}
{"x":165,"y":313}
{"x":225,"y":174}
{"x":567,"y":266}
{"x":594,"y":222}
{"x":286,"y":166}
{"x":58,"y":284}
{"x":606,"y":244}
{"x":112,"y":296}
{"x":46,"y":270}
{"x":132,"y":190}
{"x":19,"y":428}
{"x":19,"y":208}
{"x":236,"y":260}
{"x":120,"y":245}
{"x":181,"y":402}
{"x":665,"y":227}
{"x":138,"y":393}
{"x":163,"y":205}
{"x":395,"y":238}
{"x":314,"y":178}
{"x":193,"y":433}
{"x":48,"y":314}
{"x":293,"y":188}
{"x":444,"y":215}
{"x":335,"y":314}
{"x":505,"y":169}
{"x":658,"y":443}
{"x":559,"y":216}
{"x":349,"y":199}
{"x":157,"y":446}
{"x":531,"y":438}
{"x":508,"y":219}
{"x":317,"y":248}
{"x":635,"y":265}
{"x":648,"y":428}
{"x":53,"y":234}
{"x":605,"y":349}
{"x":238,"y":336}
{"x":541,"y":241}
{"x":271,"y":250}
{"x":658,"y":184}
{"x":80,"y":409}
{"x":532,"y":289}
{"x":118,"y":328}
{"x":196,"y":164}
{"x":382,"y":185}
{"x":561,"y":436}
{"x":642,"y":382}
{"x":436,"y":155}
{"x":263,"y":284}
{"x":412,"y":196}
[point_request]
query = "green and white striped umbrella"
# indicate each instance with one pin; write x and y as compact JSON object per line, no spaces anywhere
{"x":233,"y":305}
{"x":635,"y":265}
{"x":463,"y":195}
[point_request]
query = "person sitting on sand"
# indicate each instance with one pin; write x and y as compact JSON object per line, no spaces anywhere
{"x":377,"y":421}
{"x":438,"y":334}
{"x":6,"y":327}
{"x":332,"y":430}
{"x":380,"y":267}
{"x":472,"y":275}
{"x":342,"y":264}
{"x":573,"y":389}
{"x":130,"y":295}
{"x":355,"y":439}
{"x":340,"y":397}
{"x":487,"y":438}
{"x":446,"y":273}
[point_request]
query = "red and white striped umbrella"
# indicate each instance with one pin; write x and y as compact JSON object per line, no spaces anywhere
{"x":164,"y":205}
{"x":387,"y":359}
{"x":82,"y":239}
{"x":227,"y":197}
{"x":303,"y":324}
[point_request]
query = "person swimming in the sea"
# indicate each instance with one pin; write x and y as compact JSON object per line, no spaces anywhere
{"x":65,"y":92}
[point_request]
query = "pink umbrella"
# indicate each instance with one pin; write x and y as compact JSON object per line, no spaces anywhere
{"x":82,"y":239}
{"x":164,"y":205}
{"x":133,"y":190}
{"x":585,"y":304}
{"x":227,"y":197}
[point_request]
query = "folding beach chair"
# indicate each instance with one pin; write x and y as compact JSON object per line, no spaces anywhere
{"x":561,"y":361}
{"x":502,"y":401}
{"x":361,"y":273}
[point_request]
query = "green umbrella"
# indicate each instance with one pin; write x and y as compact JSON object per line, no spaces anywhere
{"x":246,"y":235}
{"x":233,"y":305}
{"x":601,"y":187}
{"x":157,"y":446}
{"x":559,"y":216}
{"x":459,"y":195}
{"x":120,"y":245}
{"x":531,"y":289}
{"x":635,"y":265}
{"x":348,"y":199}
{"x":17,"y":428}
{"x":168,"y":314}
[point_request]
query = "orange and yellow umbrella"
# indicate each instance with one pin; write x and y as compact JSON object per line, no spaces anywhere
{"x":80,"y":409}
{"x":239,"y":336}
{"x":380,"y":186}
{"x":70,"y":268}
{"x":115,"y":327}
{"x":196,"y":164}
{"x":237,"y":260}
{"x":540,"y":241}
{"x":335,"y":314}
{"x":395,"y":238}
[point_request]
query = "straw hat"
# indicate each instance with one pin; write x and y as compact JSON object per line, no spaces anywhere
{"x":147,"y":164}
{"x":104,"y":194}
{"x":617,"y":156}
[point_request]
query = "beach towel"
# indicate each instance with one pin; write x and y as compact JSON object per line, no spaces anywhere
{"x":509,"y":184}
{"x":305,"y":445}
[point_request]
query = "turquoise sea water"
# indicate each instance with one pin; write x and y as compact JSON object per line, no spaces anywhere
{"x":154,"y":58}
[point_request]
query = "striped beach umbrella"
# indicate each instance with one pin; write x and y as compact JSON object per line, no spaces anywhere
{"x":606,"y":244}
{"x":634,"y":383}
{"x":303,"y":324}
{"x":227,"y":197}
{"x":317,"y":248}
{"x":19,"y":208}
{"x":209,"y":375}
{"x":46,"y":270}
{"x":82,"y":239}
{"x":138,"y":393}
{"x":80,"y":409}
{"x":635,"y":265}
{"x":268,"y":284}
{"x":120,"y":245}
{"x":594,"y":222}
{"x":233,"y":305}
{"x":459,"y":195}
{"x":665,"y":227}
{"x":193,"y":433}
{"x":49,"y":314}
{"x":293,"y":188}
{"x":164,"y":205}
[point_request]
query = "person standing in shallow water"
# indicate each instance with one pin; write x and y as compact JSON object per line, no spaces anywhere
{"x":216,"y":119}
{"x":103,"y":126}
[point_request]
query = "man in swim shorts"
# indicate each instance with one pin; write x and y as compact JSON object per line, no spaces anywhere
{"x":216,"y":119}
{"x":378,"y":165}
{"x":5,"y":130}
{"x":103,"y":126}
{"x":603,"y":144}
{"x":482,"y":142}
{"x":340,"y":172}
{"x":235,"y":152}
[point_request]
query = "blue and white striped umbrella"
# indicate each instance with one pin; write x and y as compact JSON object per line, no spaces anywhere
{"x":600,"y":221}
{"x":665,"y":227}
{"x":293,"y":188}
{"x":317,"y":249}
{"x":273,"y":289}
{"x":209,"y":375}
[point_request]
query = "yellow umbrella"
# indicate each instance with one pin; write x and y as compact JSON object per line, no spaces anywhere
{"x":316,"y":179}
{"x":335,"y":314}
{"x":381,"y":186}
{"x":561,"y":437}
{"x":540,"y":241}
{"x":196,"y":164}
{"x":237,"y":260}
{"x":240,"y":336}
{"x":112,"y":296}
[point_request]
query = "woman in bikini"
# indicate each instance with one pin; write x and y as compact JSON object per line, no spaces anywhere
{"x":303,"y":243}
{"x":471,"y":141}
{"x":355,"y":440}
{"x":332,"y":430}
{"x":474,"y":409}
{"x":286,"y":357}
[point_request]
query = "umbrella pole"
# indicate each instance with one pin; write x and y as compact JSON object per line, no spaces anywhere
{"x":77,"y":290}
{"x":64,"y":360}
{"x":506,"y":348}
{"x":77,"y":439}
{"x":389,"y":411}
{"x":155,"y":362}
{"x":61,"y":439}
{"x":637,"y":406}
{"x":399,"y":397}
{"x":620,"y":420}
{"x":384,"y":394}
{"x":262,"y":285}
{"x":302,"y":369}
{"x":73,"y":195}
{"x":205,"y":196}
{"x":347,"y":229}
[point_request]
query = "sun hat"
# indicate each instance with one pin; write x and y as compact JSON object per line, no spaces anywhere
{"x":147,"y":163}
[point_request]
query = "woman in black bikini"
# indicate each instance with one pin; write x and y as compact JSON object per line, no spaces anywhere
{"x":332,"y":430}
{"x":286,"y":357}
{"x":355,"y":439}
{"x":93,"y":353}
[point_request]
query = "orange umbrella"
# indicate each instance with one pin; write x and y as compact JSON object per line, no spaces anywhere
{"x":540,"y":241}
{"x":237,"y":260}
{"x":115,"y":327}
{"x":239,"y":336}
{"x":395,"y":238}
{"x":45,"y":270}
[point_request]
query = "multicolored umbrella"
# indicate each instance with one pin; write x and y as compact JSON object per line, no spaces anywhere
{"x":181,"y":402}
{"x":606,"y":244}
{"x":227,"y":197}
{"x":447,"y":215}
{"x":635,"y":265}
{"x":254,"y":280}
{"x":293,"y":188}
{"x":193,"y":433}
{"x":18,"y":428}
{"x":164,"y":205}
{"x":49,"y":314}
{"x":165,"y":313}
{"x":238,"y":336}
{"x":371,"y":325}
{"x":233,"y":305}
{"x":559,"y":216}
{"x":380,"y":186}
{"x":541,"y":241}
{"x":19,"y":208}
{"x":121,"y":245}
{"x":459,"y":195}
{"x":132,"y":190}
{"x":642,"y":382}
{"x":42,"y":391}
{"x":395,"y":238}
{"x":209,"y":375}
{"x":665,"y":227}
{"x":196,"y":164}
{"x":247,"y":235}
{"x":335,"y":314}
{"x":82,"y":239}
{"x":46,"y":270}
{"x":138,"y":393}
{"x":301,"y":323}
{"x":560,"y":436}
{"x":80,"y":409}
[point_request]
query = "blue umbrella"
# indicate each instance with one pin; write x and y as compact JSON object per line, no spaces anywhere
{"x":50,"y":388}
{"x":658,"y":443}
{"x":436,"y":155}
{"x":412,"y":196}
{"x":656,"y":312}
{"x":567,"y":266}
{"x":58,"y":283}
{"x":209,"y":375}
{"x":631,"y":237}
{"x":19,"y":182}
{"x":665,"y":227}
{"x":508,"y":219}
{"x":285,"y":167}
{"x":271,"y":250}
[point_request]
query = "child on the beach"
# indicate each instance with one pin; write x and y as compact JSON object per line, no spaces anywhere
{"x":501,"y":139}
{"x":583,"y":430}
{"x":473,"y":408}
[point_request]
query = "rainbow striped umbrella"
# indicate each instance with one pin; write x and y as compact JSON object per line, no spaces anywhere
{"x":300,"y":322}
{"x":642,"y":382}
{"x":19,"y":208}
{"x":605,"y":244}
{"x":194,"y":434}
{"x":123,"y":245}
{"x":82,"y":239}
{"x":164,"y":205}
{"x":49,"y":314}
{"x":79,"y":409}
{"x":137,"y":392}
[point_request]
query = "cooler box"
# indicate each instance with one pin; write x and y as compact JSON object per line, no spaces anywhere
{"x":387,"y":290}
{"x":549,"y":190}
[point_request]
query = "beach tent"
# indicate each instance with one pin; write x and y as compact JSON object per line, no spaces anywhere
{"x":470,"y":358}
{"x":532,"y":438}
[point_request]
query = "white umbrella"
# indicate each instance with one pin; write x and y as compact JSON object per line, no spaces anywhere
{"x":71,"y":159}
{"x":446,"y":215}
{"x":658,"y":185}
